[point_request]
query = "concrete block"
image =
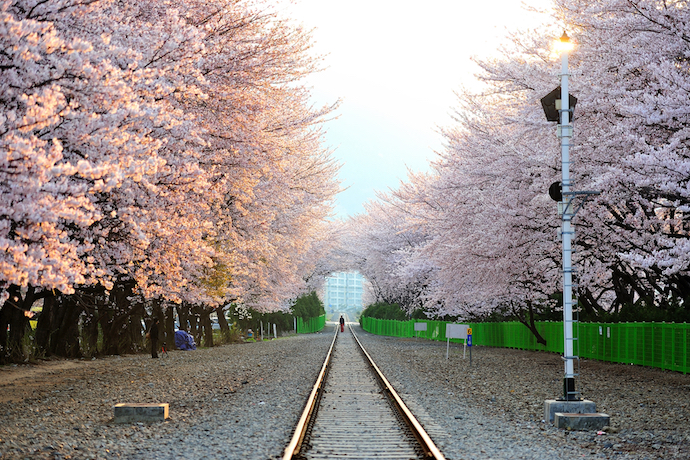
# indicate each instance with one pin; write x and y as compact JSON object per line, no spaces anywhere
{"x":581,"y":422}
{"x":140,"y":412}
{"x":551,"y":406}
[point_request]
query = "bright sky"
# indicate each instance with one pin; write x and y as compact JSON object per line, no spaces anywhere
{"x":395,"y":65}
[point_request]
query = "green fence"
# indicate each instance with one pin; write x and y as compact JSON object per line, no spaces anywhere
{"x":435,"y":330}
{"x":310,"y":325}
{"x":662,"y":345}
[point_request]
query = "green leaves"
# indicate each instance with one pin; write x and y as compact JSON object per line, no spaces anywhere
{"x":308,"y":306}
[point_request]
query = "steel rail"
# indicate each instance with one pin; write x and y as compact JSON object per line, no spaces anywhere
{"x":426,"y":445}
{"x":424,"y":440}
{"x":301,"y":429}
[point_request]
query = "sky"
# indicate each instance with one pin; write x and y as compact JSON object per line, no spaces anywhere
{"x":395,"y":66}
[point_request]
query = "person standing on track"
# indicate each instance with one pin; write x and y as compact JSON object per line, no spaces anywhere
{"x":342,"y":324}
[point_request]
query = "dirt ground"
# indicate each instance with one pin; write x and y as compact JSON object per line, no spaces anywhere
{"x":18,"y":382}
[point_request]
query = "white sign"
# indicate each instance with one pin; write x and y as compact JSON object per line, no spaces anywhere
{"x":420,"y":326}
{"x":456,"y":331}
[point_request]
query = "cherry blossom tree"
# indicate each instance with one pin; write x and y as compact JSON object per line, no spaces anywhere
{"x":173,"y":156}
{"x":61,"y":100}
{"x":491,"y":228}
{"x":634,"y":147}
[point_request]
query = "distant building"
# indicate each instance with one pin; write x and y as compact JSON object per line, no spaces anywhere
{"x":343,"y":292}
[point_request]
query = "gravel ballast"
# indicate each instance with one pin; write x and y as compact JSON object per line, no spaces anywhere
{"x":242,"y":401}
{"x":494,"y":408}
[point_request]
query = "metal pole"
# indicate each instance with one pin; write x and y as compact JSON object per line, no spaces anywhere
{"x":565,"y":134}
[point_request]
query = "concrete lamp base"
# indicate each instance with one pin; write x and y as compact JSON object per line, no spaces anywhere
{"x":551,"y":406}
{"x":581,"y":422}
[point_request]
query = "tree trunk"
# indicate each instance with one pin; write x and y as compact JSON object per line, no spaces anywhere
{"x":157,"y":312}
{"x":105,"y":320}
{"x":90,"y":326}
{"x":589,"y":303}
{"x":529,"y":322}
{"x":205,"y":326}
{"x":135,"y":329}
{"x":4,"y":323}
{"x":132,"y":336}
{"x":169,"y":326}
{"x":116,"y":337}
{"x":194,"y":326}
{"x":223,"y":323}
{"x":44,"y":328}
{"x":19,"y":325}
{"x":65,"y":342}
{"x":18,"y":322}
{"x":183,"y":313}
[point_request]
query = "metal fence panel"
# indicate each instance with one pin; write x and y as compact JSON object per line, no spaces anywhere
{"x":310,"y":325}
{"x":661,"y":345}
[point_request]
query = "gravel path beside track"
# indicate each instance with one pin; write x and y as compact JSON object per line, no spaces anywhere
{"x":242,"y":401}
{"x":494,"y":408}
{"x":237,"y":401}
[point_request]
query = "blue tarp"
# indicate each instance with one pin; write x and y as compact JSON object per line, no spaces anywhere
{"x":184,"y":341}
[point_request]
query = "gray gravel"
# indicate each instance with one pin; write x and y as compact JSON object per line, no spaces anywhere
{"x":494,"y":408}
{"x":238,"y":401}
{"x":243,"y":400}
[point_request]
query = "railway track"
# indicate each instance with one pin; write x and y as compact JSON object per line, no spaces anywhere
{"x":354,"y":413}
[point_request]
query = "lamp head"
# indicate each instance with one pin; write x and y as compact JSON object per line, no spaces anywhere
{"x":564,"y":44}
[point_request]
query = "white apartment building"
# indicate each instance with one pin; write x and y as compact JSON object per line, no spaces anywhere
{"x":343,"y":292}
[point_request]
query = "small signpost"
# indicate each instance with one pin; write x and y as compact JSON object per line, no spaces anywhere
{"x":419,"y":327}
{"x":469,"y":342}
{"x":456,"y":331}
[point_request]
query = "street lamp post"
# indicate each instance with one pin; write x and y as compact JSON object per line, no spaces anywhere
{"x":560,"y":110}
{"x":565,"y":133}
{"x":558,"y":107}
